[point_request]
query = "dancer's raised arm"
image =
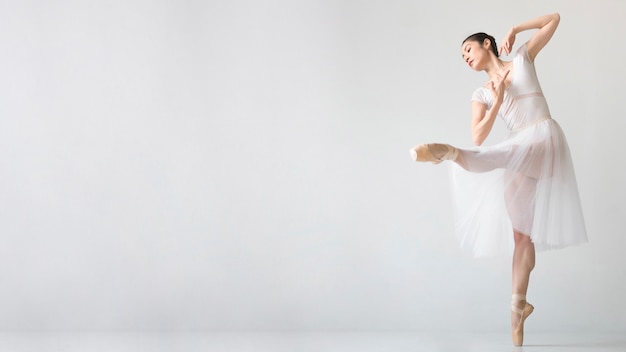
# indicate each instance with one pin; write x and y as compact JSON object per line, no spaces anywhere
{"x":547,"y":26}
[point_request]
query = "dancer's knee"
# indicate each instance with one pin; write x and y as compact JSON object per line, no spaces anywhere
{"x":525,"y":250}
{"x":521,"y":238}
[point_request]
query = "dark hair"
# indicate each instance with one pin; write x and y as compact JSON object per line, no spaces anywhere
{"x":480,"y":37}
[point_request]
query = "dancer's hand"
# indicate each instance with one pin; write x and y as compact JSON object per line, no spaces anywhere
{"x":507,"y":43}
{"x":497,"y":89}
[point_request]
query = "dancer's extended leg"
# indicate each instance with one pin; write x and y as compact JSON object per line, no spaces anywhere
{"x":528,"y":160}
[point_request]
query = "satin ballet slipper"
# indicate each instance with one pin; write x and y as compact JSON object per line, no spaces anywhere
{"x":517,"y":333}
{"x":423,"y":152}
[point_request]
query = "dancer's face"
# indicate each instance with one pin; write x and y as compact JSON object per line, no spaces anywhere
{"x":475,"y":54}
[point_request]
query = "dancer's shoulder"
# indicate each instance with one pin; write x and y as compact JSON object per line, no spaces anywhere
{"x":483,"y":95}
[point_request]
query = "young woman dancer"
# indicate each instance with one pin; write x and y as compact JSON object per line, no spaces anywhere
{"x":521,"y":193}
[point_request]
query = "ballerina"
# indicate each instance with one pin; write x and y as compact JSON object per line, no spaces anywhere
{"x":525,"y":197}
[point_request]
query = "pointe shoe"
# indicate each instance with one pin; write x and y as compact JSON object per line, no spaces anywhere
{"x":517,"y":333}
{"x":423,"y":152}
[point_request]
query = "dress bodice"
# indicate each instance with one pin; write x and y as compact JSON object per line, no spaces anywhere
{"x":523,"y":103}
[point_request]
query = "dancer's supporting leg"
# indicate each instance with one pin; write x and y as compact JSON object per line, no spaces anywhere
{"x":523,"y":264}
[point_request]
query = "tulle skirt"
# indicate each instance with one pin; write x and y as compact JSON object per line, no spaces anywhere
{"x":524,"y":183}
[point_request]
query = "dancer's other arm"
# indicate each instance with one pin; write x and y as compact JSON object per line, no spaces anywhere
{"x":483,"y":119}
{"x":546,"y":24}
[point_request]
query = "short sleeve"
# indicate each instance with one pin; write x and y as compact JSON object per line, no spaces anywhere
{"x":483,"y":96}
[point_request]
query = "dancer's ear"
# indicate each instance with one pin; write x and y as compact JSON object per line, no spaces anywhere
{"x":486,"y":43}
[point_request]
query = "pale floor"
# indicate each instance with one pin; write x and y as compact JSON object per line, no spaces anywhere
{"x":301,"y":341}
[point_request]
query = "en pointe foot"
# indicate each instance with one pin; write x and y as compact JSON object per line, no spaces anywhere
{"x":520,"y":311}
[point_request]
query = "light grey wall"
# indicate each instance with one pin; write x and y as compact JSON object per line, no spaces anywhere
{"x":244,"y":165}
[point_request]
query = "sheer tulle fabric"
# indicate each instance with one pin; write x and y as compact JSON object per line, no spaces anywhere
{"x":527,"y":182}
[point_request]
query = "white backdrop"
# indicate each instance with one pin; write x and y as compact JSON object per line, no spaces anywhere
{"x":244,"y":165}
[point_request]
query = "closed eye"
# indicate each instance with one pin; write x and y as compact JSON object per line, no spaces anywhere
{"x":467,"y":50}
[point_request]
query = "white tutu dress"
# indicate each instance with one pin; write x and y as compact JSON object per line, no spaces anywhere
{"x":525,"y":182}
